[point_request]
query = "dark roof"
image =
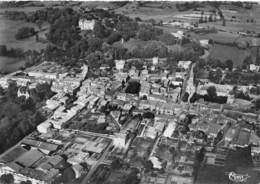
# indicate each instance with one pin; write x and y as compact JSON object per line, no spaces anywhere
{"x":40,"y":145}
{"x":15,"y":166}
{"x":30,"y":157}
{"x":13,"y":154}
{"x":243,"y":138}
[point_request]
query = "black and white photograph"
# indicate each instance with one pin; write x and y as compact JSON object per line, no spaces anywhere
{"x":129,"y":92}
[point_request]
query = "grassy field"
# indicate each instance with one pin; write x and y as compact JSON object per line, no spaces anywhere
{"x":223,"y":52}
{"x":8,"y":64}
{"x":9,"y":28}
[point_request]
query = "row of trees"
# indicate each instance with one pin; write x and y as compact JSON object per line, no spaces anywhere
{"x":12,"y":52}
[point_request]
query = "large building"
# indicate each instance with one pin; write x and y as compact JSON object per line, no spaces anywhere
{"x":85,"y":24}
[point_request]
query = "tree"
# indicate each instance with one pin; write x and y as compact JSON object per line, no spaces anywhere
{"x":215,"y":76}
{"x":116,"y":164}
{"x":210,"y":18}
{"x":247,"y":61}
{"x":127,"y":29}
{"x":114,"y":37}
{"x":26,"y":103}
{"x":119,"y":52}
{"x":24,"y":32}
{"x":211,"y":91}
{"x":168,"y":39}
{"x":132,"y":178}
{"x":223,"y":22}
{"x":99,"y":30}
{"x":94,"y":44}
{"x":12,"y":90}
{"x":93,"y":60}
{"x":229,"y":64}
{"x":133,"y":87}
{"x":3,"y":50}
{"x":44,"y":90}
{"x":155,"y":48}
{"x":148,"y":32}
{"x":214,"y":63}
{"x":148,"y":165}
{"x":2,"y":91}
{"x":257,"y":104}
{"x":26,"y":182}
{"x":7,"y":179}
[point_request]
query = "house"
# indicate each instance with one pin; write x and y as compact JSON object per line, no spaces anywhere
{"x":178,"y":34}
{"x":255,"y":154}
{"x":120,"y":64}
{"x":85,"y":24}
{"x":155,"y":60}
{"x":44,"y":127}
{"x":204,"y":43}
{"x":153,"y":180}
{"x":156,"y":163}
{"x":22,"y":91}
{"x":184,"y":64}
{"x":213,"y":129}
{"x":254,"y":68}
{"x":169,"y":129}
{"x":121,"y":96}
{"x":175,"y":179}
{"x":78,"y":170}
{"x":242,"y":140}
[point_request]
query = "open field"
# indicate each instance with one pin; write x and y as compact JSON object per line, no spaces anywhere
{"x":9,"y":28}
{"x":157,"y":11}
{"x":223,"y":53}
{"x":8,"y":64}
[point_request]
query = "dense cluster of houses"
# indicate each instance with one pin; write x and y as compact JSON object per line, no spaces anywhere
{"x":150,"y":123}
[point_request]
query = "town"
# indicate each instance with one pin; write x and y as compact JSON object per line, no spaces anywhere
{"x":142,"y":118}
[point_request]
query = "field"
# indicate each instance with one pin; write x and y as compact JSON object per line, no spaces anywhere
{"x":8,"y":29}
{"x":8,"y":64}
{"x":157,"y":11}
{"x":224,"y":53}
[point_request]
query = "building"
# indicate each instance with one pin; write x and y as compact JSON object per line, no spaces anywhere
{"x":254,"y":68}
{"x":204,"y":43}
{"x":184,"y":64}
{"x":255,"y":154}
{"x":44,"y":127}
{"x":155,"y":60}
{"x":178,"y":34}
{"x":175,"y":179}
{"x":120,"y":64}
{"x":85,"y":24}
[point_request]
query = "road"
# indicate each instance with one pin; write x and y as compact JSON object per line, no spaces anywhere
{"x":191,"y":89}
{"x":185,"y":84}
{"x":95,"y":166}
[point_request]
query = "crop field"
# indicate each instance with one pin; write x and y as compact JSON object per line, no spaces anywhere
{"x":156,"y":11}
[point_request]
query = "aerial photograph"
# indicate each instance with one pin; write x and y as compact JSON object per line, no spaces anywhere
{"x":129,"y":92}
